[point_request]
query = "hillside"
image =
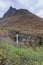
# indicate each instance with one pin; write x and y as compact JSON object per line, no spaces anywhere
{"x":22,"y":20}
{"x":21,"y":38}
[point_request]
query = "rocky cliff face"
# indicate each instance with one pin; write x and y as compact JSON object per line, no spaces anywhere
{"x":10,"y":12}
{"x":26,"y":39}
{"x":14,"y":12}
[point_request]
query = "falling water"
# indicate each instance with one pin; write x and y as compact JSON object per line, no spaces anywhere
{"x":17,"y":38}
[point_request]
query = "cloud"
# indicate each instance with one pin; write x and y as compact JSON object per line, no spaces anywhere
{"x":39,"y":8}
{"x":29,"y":5}
{"x":4,"y":5}
{"x":40,"y":2}
{"x":40,"y":13}
{"x":22,"y":1}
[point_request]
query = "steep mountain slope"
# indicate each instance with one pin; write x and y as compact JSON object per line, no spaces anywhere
{"x":14,"y":12}
{"x":11,"y":11}
{"x":22,"y":20}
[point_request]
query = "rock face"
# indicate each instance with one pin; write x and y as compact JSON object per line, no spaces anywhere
{"x":14,"y":12}
{"x":25,"y":39}
{"x":10,"y":12}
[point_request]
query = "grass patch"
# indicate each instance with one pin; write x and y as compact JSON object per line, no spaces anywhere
{"x":20,"y":56}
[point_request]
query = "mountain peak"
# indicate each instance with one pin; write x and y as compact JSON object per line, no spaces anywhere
{"x":11,"y":7}
{"x":11,"y":12}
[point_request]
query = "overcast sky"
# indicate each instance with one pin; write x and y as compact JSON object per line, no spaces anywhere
{"x":34,"y":6}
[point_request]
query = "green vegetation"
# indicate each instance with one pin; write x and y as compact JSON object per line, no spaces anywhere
{"x":10,"y":55}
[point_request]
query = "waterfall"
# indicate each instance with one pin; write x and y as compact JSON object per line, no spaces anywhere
{"x":17,"y":40}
